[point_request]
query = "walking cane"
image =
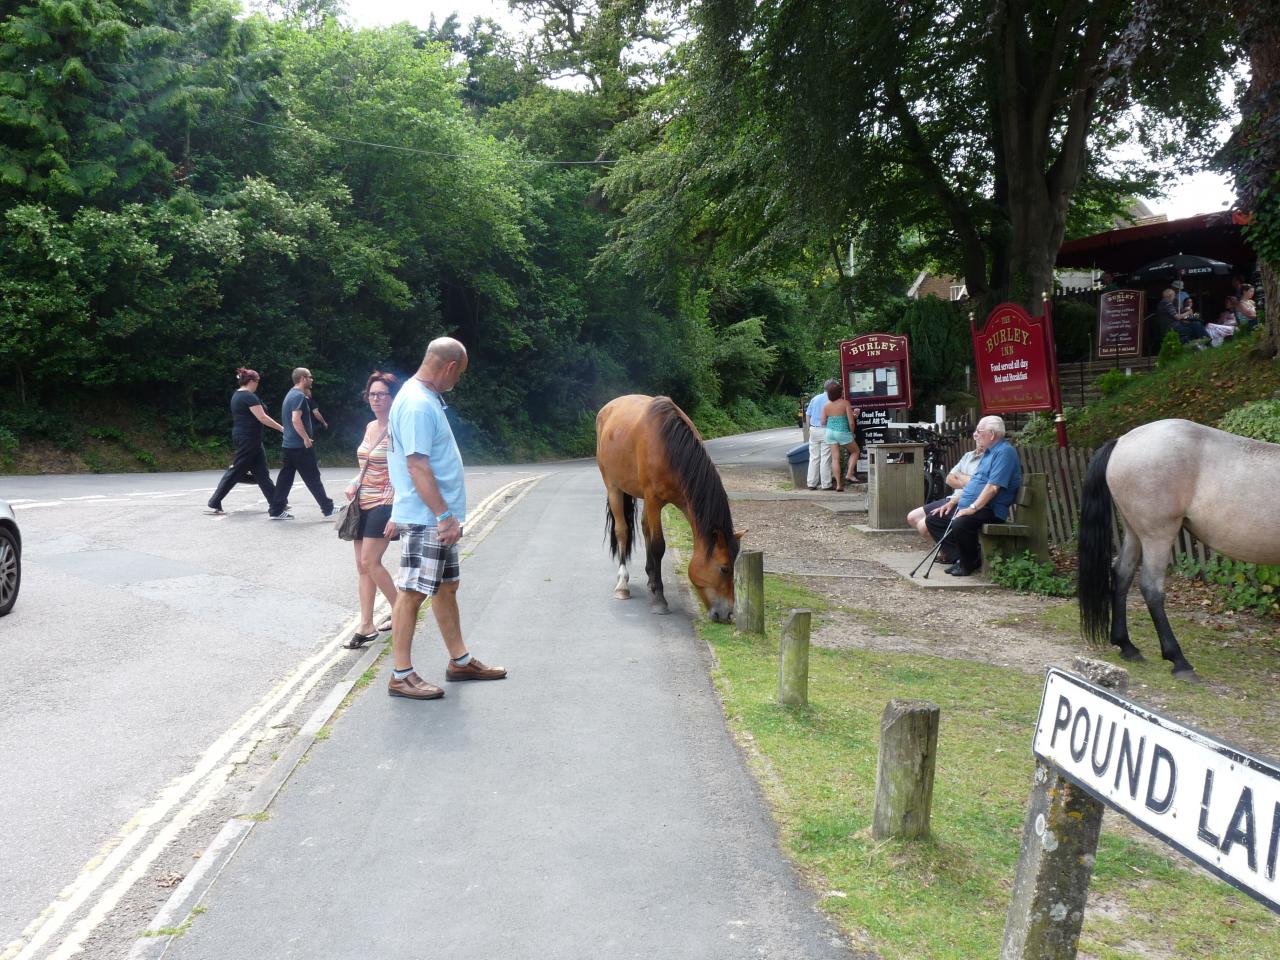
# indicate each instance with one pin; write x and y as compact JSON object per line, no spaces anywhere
{"x":932,"y":554}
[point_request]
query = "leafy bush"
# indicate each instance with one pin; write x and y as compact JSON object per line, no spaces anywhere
{"x":1074,"y":325}
{"x":580,"y":440}
{"x":712,"y":421}
{"x":8,"y":445}
{"x":1025,"y":574}
{"x":1039,"y":430}
{"x":939,"y":335}
{"x":1245,"y":586}
{"x":1259,"y":420}
{"x":1171,"y":349}
{"x":1112,"y":382}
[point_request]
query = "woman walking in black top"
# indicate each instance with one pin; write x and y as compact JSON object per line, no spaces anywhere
{"x":250,"y":463}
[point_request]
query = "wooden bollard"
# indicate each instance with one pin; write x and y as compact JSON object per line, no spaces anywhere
{"x":1059,"y":843}
{"x":748,"y":592}
{"x":904,"y":773}
{"x":793,"y":659}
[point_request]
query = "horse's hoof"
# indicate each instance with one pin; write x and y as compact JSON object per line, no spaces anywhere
{"x":622,"y":594}
{"x":1188,"y":675}
{"x":1132,"y":654}
{"x":659,"y":609}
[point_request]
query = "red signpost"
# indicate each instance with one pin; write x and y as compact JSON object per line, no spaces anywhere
{"x":876,"y":372}
{"x":1017,"y":364}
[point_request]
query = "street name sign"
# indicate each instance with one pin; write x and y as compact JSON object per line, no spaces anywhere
{"x":1217,"y":804}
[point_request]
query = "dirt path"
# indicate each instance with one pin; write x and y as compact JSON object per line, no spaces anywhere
{"x":874,"y":608}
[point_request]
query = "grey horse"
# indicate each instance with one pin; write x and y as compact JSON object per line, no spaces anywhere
{"x":1161,"y":477}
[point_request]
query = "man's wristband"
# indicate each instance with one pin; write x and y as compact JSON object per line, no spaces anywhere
{"x":442,"y":517}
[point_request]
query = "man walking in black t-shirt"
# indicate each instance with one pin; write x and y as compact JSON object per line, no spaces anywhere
{"x":297,"y":451}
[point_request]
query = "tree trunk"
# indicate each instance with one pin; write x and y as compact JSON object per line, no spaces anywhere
{"x":1254,"y":151}
{"x":1271,"y":289}
{"x":1041,"y":167}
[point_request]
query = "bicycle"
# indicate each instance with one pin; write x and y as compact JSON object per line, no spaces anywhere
{"x":935,"y":484}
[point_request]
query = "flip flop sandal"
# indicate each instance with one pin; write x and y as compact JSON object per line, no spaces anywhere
{"x":384,"y":626}
{"x":358,"y":640}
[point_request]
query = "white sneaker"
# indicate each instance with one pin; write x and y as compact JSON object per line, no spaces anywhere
{"x":281,"y":516}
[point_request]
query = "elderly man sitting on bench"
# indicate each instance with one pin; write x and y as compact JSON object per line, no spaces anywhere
{"x":986,"y":498}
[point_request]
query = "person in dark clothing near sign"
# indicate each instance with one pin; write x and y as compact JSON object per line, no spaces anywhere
{"x":1182,"y":321}
{"x":986,"y":498}
{"x":297,"y":449}
{"x":248,"y":416}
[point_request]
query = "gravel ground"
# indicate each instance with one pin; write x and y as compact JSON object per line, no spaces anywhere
{"x":875,"y":609}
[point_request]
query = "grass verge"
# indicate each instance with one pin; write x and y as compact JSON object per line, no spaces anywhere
{"x":945,"y":897}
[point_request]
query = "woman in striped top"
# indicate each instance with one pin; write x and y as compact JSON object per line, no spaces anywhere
{"x":376,"y":495}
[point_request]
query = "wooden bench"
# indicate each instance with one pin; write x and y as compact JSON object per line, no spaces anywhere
{"x":1028,"y":526}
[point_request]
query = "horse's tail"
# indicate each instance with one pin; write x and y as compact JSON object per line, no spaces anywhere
{"x":621,"y":551}
{"x":1096,"y":586}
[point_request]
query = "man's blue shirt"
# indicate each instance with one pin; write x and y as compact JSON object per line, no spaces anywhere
{"x":295,"y":399}
{"x":418,"y":424}
{"x":999,"y":465}
{"x":814,"y":412}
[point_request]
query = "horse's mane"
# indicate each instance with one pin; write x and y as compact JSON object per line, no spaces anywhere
{"x":698,"y":477}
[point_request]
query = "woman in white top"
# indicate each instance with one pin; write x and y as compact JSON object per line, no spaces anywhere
{"x":1247,"y":309}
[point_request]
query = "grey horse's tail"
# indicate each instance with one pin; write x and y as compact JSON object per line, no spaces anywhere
{"x":1096,"y":585}
{"x":621,"y":551}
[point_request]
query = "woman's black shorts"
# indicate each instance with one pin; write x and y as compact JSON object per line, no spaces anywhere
{"x":373,"y":522}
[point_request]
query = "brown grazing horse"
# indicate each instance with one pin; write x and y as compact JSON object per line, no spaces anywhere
{"x":1164,"y":476}
{"x":648,"y":450}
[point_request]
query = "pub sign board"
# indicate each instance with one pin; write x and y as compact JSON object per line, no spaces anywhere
{"x":1013,"y":353}
{"x":876,"y":371}
{"x":1120,"y":316}
{"x":1217,"y":804}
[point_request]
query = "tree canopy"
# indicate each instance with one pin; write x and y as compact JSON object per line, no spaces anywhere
{"x":698,"y":200}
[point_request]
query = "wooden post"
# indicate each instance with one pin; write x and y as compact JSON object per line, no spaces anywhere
{"x":748,"y":592}
{"x":1059,"y":843}
{"x":904,"y":773}
{"x":793,"y":659}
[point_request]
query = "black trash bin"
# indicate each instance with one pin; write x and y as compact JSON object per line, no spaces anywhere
{"x":798,"y":460}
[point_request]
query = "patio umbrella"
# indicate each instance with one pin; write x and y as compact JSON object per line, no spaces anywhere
{"x":1183,"y":265}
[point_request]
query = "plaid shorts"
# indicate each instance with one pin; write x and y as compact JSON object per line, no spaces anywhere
{"x":425,"y":563}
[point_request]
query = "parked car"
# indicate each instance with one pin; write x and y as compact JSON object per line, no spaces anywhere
{"x":10,"y":558}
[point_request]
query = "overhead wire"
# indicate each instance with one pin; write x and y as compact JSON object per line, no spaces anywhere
{"x":419,"y":150}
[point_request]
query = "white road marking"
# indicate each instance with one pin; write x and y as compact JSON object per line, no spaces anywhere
{"x":164,"y":810}
{"x":37,"y":503}
{"x":168,"y":815}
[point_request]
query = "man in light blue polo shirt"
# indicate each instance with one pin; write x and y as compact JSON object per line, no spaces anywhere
{"x":429,"y":509}
{"x":819,"y":455}
{"x":986,"y":498}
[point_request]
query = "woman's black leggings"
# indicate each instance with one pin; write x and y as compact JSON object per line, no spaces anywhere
{"x":249,"y":466}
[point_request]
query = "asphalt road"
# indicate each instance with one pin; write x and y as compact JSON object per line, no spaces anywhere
{"x":158,"y":657}
{"x":151,"y":649}
{"x":591,"y":806}
{"x":762,"y":450}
